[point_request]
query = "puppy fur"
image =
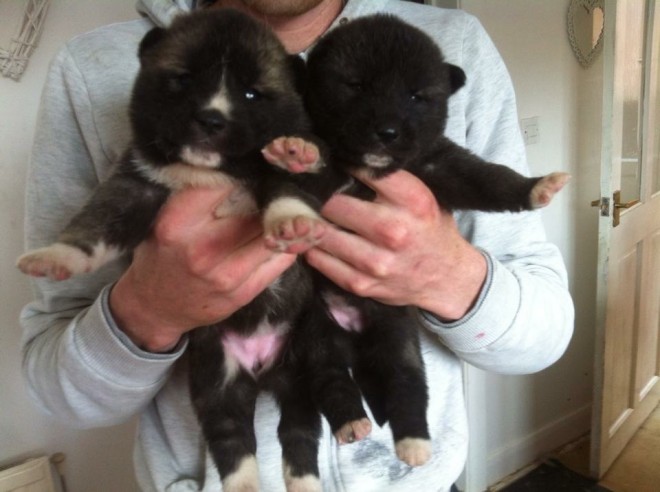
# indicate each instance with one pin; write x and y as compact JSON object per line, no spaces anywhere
{"x":214,"y":91}
{"x":377,"y":91}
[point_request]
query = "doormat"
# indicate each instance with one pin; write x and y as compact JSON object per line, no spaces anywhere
{"x":552,"y":476}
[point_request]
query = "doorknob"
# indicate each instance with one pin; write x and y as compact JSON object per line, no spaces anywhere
{"x":604,"y":204}
{"x":618,"y":206}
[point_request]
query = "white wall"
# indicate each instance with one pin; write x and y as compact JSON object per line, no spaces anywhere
{"x":514,"y":419}
{"x":98,"y":460}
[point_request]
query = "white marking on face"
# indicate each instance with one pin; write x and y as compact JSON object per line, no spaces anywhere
{"x":221,"y":101}
{"x":200,"y":158}
{"x":246,"y":476}
{"x":377,"y":161}
{"x":286,"y":207}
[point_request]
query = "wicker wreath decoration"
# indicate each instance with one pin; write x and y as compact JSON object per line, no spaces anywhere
{"x":14,"y":60}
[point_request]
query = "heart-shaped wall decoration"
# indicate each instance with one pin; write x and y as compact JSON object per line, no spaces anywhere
{"x":585,"y":29}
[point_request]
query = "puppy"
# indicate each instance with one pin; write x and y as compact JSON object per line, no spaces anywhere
{"x":377,"y":91}
{"x":215,"y":96}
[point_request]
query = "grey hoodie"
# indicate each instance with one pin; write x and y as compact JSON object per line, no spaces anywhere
{"x":83,"y":370}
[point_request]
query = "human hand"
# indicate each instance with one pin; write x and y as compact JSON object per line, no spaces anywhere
{"x":402,"y":249}
{"x":194,"y":270}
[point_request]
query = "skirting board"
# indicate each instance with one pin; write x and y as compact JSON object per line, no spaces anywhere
{"x":514,"y":456}
{"x":35,"y":475}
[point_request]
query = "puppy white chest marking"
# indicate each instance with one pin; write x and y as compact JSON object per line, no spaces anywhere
{"x":178,"y":176}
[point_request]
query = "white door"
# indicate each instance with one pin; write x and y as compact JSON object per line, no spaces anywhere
{"x":628,"y":293}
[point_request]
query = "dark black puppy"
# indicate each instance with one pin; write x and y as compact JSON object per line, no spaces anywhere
{"x":377,"y":92}
{"x":214,"y":89}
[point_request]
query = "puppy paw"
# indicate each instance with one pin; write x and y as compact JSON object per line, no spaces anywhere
{"x":352,"y":431}
{"x":57,"y":262}
{"x":413,"y":451}
{"x":295,"y":234}
{"x":293,"y":154}
{"x":244,"y":479}
{"x":546,"y":188}
{"x":307,"y":483}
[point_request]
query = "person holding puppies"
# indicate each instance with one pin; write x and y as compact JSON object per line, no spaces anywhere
{"x":100,"y":348}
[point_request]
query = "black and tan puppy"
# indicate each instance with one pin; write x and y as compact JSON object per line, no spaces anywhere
{"x":377,"y":91}
{"x":215,"y":91}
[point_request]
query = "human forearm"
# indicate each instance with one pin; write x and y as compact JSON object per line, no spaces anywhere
{"x":81,"y":369}
{"x":523,"y":318}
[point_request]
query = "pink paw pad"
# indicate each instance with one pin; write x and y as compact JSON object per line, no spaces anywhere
{"x":352,"y":431}
{"x":546,"y":188}
{"x":293,"y":154}
{"x":294,"y":234}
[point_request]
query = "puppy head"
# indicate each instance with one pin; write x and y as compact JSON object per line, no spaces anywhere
{"x":214,"y":86}
{"x":377,"y":92}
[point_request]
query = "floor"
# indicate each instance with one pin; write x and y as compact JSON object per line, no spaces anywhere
{"x":636,"y":470}
{"x":638,"y":467}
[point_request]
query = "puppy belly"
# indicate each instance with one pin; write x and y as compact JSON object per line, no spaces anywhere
{"x":346,"y":316}
{"x":255,"y":353}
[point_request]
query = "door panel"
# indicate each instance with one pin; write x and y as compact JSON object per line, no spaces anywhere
{"x":627,"y":368}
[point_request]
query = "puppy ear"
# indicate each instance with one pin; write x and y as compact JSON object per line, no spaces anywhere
{"x":456,"y":77}
{"x":150,"y":40}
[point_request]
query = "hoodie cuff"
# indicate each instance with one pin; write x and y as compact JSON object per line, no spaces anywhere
{"x":111,"y":354}
{"x":492,"y":315}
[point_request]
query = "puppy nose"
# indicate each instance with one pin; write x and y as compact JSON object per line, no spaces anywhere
{"x":211,"y":120}
{"x":387,"y":134}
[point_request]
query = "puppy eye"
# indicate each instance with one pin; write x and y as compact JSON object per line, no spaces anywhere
{"x":180,"y":81}
{"x":417,"y":96}
{"x":252,"y":94}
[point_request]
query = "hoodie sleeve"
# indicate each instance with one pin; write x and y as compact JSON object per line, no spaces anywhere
{"x":523,"y":319}
{"x":79,"y":366}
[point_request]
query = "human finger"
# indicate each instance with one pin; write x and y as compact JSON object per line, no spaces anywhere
{"x":233,"y":269}
{"x":358,"y":252}
{"x":340,"y":272}
{"x":266,"y":273}
{"x":380,"y":223}
{"x":399,"y":188}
